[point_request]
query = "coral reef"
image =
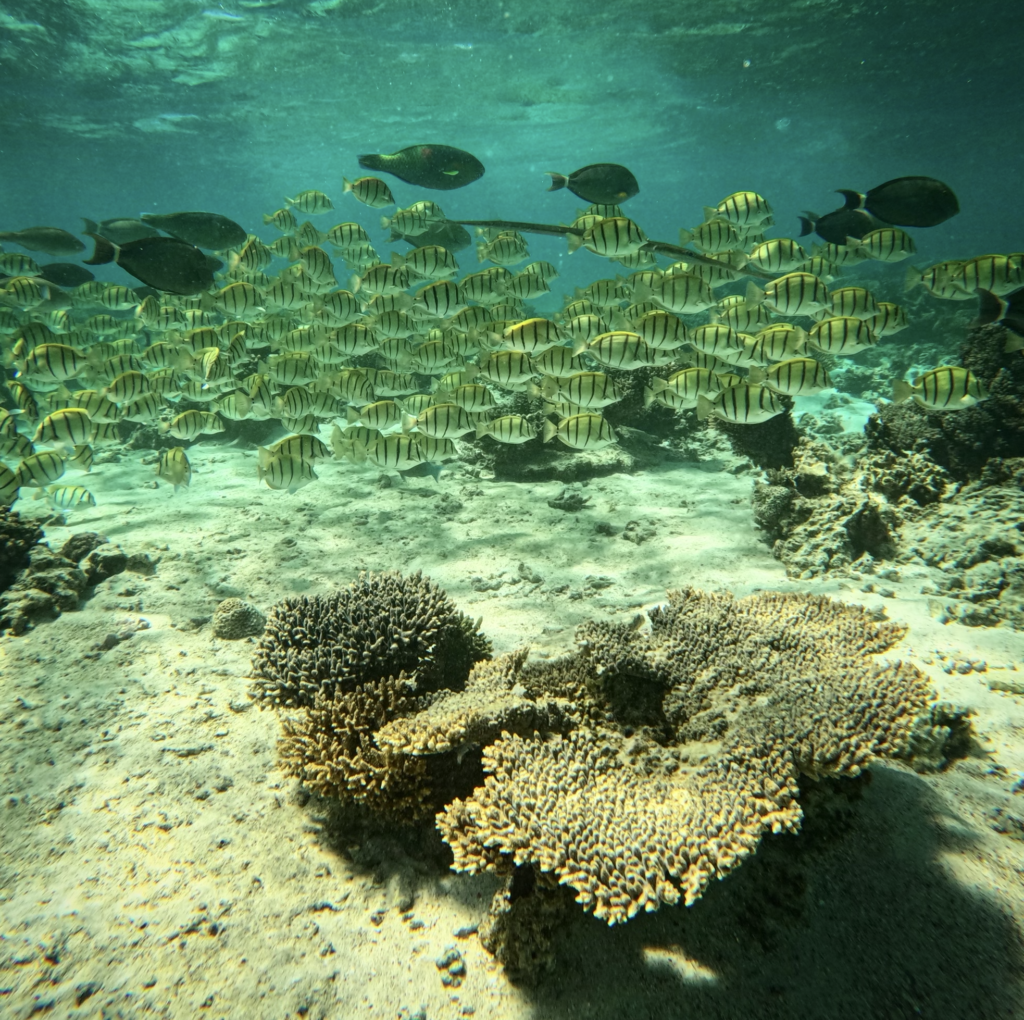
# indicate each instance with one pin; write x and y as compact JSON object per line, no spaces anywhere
{"x":49,"y":585}
{"x":647,"y":805}
{"x":824,"y":513}
{"x":962,"y":441}
{"x":378,"y":627}
{"x":234,"y":619}
{"x":632,"y":771}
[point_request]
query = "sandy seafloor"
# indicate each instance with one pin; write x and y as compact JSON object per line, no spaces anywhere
{"x":155,"y":861}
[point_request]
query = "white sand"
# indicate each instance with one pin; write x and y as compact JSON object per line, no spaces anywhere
{"x":151,"y":847}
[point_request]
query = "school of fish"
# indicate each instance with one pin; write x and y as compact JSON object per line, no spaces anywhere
{"x":418,"y":353}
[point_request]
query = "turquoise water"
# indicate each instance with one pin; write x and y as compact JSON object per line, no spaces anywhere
{"x":163,"y":855}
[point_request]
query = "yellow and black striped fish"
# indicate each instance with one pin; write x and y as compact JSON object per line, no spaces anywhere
{"x":510,"y":429}
{"x":371,"y":191}
{"x":743,"y":404}
{"x":40,"y":469}
{"x":70,"y":426}
{"x":947,"y":388}
{"x":587,"y":431}
{"x":174,"y":467}
{"x":842,"y":335}
{"x":797,"y":377}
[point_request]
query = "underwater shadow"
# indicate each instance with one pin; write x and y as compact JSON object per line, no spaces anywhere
{"x":852,"y":918}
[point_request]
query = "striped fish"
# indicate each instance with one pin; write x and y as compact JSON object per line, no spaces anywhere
{"x":380,"y":415}
{"x":511,"y":429}
{"x":712,"y":236}
{"x":585,"y":431}
{"x":585,"y":327}
{"x":680,"y":293}
{"x":586,"y":390}
{"x":744,"y":208}
{"x":71,"y":426}
{"x":471,"y":397}
{"x":996,"y":273}
{"x":174,"y":467}
{"x":715,"y":338}
{"x":9,"y":485}
{"x":305,"y":447}
{"x":842,"y":335}
{"x":779,"y":341}
{"x":797,"y":377}
{"x":299,"y":401}
{"x":311,"y":202}
{"x":792,"y":294}
{"x":396,"y":452}
{"x":440,"y":421}
{"x":779,"y":255}
{"x":371,"y":191}
{"x":742,"y":404}
{"x":532,"y":336}
{"x":527,"y":286}
{"x":507,"y":249}
{"x":347,"y":235}
{"x":40,"y":469}
{"x":612,"y":238}
{"x":284,"y":219}
{"x":440,"y":299}
{"x":146,"y":407}
{"x":661,"y":330}
{"x":56,"y":362}
{"x":886,"y":244}
{"x":947,"y":388}
{"x":943,"y":280}
{"x":284,"y":472}
{"x":431,"y":262}
{"x":192,"y":424}
{"x":235,"y":406}
{"x":890,"y":319}
{"x":69,"y":497}
{"x":621,"y":349}
{"x":681,"y":389}
{"x":855,"y":301}
{"x":509,"y":369}
{"x":126,"y":387}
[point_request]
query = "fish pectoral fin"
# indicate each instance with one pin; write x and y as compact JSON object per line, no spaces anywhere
{"x":450,"y":173}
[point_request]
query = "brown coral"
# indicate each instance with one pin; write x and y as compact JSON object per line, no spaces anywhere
{"x":758,"y":690}
{"x":377,"y":627}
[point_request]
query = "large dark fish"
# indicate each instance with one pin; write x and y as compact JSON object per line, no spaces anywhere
{"x":446,"y":234}
{"x":164,"y":263}
{"x":603,"y":183}
{"x":120,"y":229}
{"x":202,"y":229}
{"x":440,"y":167}
{"x":65,"y":274}
{"x":835,"y":227}
{"x":51,"y":240}
{"x":907,"y":201}
{"x":1007,"y":311}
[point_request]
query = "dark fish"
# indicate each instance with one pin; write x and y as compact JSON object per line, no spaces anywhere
{"x":51,"y":240}
{"x":835,"y":227}
{"x":65,"y":274}
{"x":1007,"y":311}
{"x":907,"y":201}
{"x":605,"y":183}
{"x":165,"y":263}
{"x":120,"y":229}
{"x":202,"y":229}
{"x":429,"y":166}
{"x":423,"y":470}
{"x":446,"y":234}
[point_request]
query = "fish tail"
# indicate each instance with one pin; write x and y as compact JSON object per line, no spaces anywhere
{"x":91,"y":226}
{"x":854,"y":199}
{"x":901,"y":391}
{"x":990,"y":308}
{"x":558,"y":181}
{"x":105,"y":251}
{"x":807,"y":221}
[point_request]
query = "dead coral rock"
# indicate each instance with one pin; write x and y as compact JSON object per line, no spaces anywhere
{"x":377,"y":627}
{"x":823,"y":514}
{"x":79,"y":545}
{"x":103,"y":563}
{"x":17,"y":537}
{"x":49,"y":586}
{"x":975,"y":540}
{"x":234,"y":619}
{"x":794,"y":682}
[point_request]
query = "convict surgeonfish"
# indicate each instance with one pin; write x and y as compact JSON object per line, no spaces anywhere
{"x":606,"y":183}
{"x":588,"y":431}
{"x":371,"y":191}
{"x":174,"y":467}
{"x":67,"y":497}
{"x":51,"y":240}
{"x":947,"y":388}
{"x":440,"y":167}
{"x":743,"y":404}
{"x":164,"y":263}
{"x":201,"y":229}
